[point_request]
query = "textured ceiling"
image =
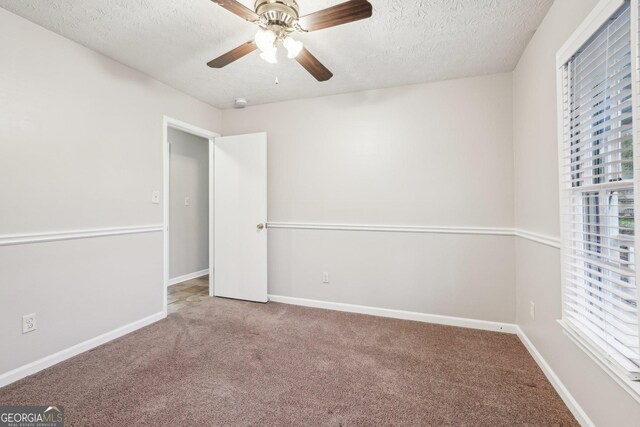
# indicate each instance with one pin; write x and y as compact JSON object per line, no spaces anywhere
{"x":406,"y":41}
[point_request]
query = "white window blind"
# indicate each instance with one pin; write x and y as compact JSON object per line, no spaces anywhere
{"x":599,"y":263}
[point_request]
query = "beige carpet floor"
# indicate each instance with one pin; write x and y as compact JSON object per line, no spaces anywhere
{"x":225,"y":362}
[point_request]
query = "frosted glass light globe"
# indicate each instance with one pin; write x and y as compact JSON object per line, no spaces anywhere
{"x":265,"y":40}
{"x":270,"y":55}
{"x":293,"y":47}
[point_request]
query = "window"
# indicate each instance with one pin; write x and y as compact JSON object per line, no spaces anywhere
{"x":600,"y":296}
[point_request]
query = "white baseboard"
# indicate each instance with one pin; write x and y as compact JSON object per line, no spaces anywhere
{"x":186,"y":277}
{"x":575,"y":408}
{"x":400,"y":314}
{"x":33,"y":367}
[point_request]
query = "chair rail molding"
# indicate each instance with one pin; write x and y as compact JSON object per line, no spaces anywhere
{"x":55,"y":236}
{"x":543,"y":239}
{"x":481,"y":231}
{"x":493,"y":231}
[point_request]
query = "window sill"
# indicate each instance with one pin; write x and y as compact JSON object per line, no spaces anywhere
{"x":615,"y":372}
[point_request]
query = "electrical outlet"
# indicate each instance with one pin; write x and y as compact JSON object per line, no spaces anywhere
{"x":325,"y":277}
{"x":28,"y":323}
{"x":187,"y":201}
{"x":532,"y":310}
{"x":155,"y":197}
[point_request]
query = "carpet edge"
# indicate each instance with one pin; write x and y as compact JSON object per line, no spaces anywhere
{"x":36,"y":366}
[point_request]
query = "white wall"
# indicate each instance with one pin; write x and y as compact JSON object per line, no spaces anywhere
{"x":188,"y":225}
{"x":80,"y":148}
{"x":436,"y":154}
{"x":537,"y":210}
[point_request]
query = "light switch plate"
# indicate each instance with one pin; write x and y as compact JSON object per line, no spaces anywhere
{"x":187,"y":201}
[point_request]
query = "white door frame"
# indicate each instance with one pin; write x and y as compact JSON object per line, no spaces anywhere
{"x":169,"y":122}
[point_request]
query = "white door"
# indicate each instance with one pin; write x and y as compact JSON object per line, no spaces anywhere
{"x":240,"y":235}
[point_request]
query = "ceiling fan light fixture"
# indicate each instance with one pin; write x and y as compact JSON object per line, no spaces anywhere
{"x":278,"y":19}
{"x":293,"y":47}
{"x":265,"y":40}
{"x":271,"y":56}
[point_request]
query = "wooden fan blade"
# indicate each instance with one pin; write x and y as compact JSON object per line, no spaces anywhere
{"x":233,"y":55}
{"x":342,"y":13}
{"x":313,"y":66}
{"x":234,"y":7}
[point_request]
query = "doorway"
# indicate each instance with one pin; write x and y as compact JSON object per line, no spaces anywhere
{"x":237,"y":215}
{"x":188,"y":174}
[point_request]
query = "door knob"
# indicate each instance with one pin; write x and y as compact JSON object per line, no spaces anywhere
{"x":260,"y":226}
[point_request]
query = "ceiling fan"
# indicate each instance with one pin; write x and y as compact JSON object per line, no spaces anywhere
{"x":277,"y":19}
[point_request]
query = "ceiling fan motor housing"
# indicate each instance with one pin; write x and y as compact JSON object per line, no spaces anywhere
{"x":278,"y":13}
